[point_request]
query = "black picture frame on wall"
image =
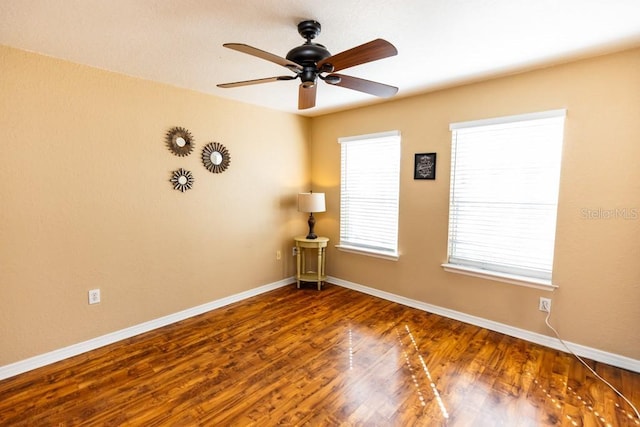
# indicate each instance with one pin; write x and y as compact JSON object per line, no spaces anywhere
{"x":424,"y":166}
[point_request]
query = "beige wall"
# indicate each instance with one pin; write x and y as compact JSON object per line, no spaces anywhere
{"x":596,"y":263}
{"x":87,"y":203}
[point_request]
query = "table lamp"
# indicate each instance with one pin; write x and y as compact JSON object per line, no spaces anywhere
{"x":311,"y":202}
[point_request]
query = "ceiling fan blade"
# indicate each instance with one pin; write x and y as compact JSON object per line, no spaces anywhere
{"x":372,"y":51}
{"x":245,"y":48}
{"x":307,"y":96}
{"x":256,"y":81}
{"x":362,"y":85}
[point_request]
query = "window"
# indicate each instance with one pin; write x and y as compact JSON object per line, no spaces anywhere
{"x":505,"y":175}
{"x":370,"y":182}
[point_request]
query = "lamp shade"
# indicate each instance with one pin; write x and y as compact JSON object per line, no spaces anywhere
{"x":311,"y":202}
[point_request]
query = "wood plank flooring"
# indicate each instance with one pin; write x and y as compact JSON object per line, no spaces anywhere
{"x":304,"y":357}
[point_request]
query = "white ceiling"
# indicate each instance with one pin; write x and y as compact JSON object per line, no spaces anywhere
{"x":440,"y":42}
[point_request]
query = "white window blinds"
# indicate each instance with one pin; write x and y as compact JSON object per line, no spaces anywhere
{"x":505,"y":175}
{"x":370,"y":182}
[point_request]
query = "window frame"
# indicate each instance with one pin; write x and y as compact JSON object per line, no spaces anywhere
{"x":475,"y":268}
{"x":347,"y":245}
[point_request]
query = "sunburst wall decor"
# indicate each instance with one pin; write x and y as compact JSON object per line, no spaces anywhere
{"x":180,"y":141}
{"x":182,"y":180}
{"x":216,"y":157}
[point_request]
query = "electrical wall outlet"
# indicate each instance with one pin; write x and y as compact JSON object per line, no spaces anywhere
{"x":545,"y":305}
{"x":294,"y":251}
{"x":278,"y":255}
{"x":94,"y":296}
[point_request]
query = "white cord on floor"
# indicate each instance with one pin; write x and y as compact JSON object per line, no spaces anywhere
{"x":589,"y":367}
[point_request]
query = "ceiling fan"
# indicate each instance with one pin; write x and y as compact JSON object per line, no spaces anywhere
{"x":311,"y":61}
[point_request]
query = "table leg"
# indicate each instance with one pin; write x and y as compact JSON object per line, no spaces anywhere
{"x":298,"y":266}
{"x":320,"y":265}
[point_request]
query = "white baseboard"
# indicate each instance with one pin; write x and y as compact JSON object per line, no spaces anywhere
{"x":94,"y":343}
{"x":547,"y":341}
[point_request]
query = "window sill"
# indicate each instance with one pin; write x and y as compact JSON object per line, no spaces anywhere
{"x":368,"y":252}
{"x":513,"y":279}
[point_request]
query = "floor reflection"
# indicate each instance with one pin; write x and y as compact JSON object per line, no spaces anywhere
{"x":350,"y":348}
{"x":436,"y":372}
{"x":379,"y":372}
{"x":413,"y":350}
{"x":372,"y":389}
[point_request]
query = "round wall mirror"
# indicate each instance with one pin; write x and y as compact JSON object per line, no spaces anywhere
{"x":216,"y":157}
{"x":179,"y":141}
{"x":182,"y":180}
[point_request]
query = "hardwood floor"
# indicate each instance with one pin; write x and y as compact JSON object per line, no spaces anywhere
{"x":309,"y":358}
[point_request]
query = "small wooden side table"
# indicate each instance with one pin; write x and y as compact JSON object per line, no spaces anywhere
{"x":302,"y":274}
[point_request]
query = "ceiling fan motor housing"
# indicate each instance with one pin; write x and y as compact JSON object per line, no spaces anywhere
{"x":308,"y":56}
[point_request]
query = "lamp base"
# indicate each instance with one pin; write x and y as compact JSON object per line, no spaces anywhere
{"x":312,"y":223}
